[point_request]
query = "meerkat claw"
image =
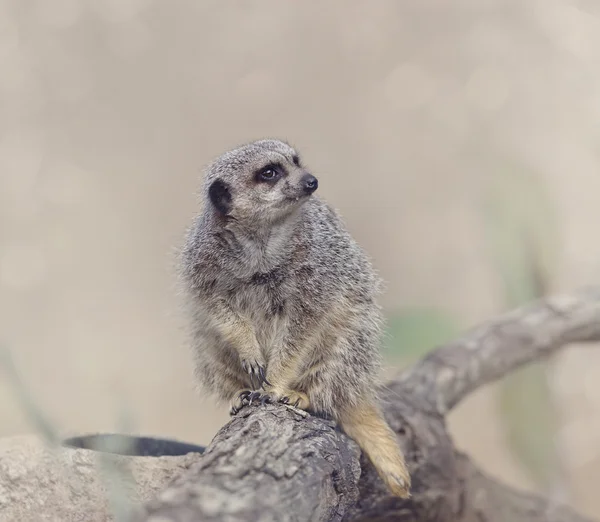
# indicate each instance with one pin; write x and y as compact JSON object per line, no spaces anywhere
{"x":255,"y":371}
{"x":263,"y":375}
{"x":239,"y":402}
{"x":295,"y":399}
{"x":252,"y":385}
{"x":253,"y":396}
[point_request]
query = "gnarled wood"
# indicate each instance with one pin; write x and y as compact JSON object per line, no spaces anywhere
{"x":269,"y":463}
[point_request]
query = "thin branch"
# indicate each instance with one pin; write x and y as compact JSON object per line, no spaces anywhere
{"x":498,"y":347}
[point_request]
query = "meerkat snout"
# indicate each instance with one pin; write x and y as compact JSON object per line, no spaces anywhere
{"x":309,"y":183}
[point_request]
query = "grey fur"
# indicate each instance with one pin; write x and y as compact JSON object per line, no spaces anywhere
{"x":315,"y":275}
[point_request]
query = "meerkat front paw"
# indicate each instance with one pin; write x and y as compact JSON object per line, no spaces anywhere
{"x":257,"y":371}
{"x":292,"y":398}
{"x":240,"y":400}
{"x":245,"y":397}
{"x":296,"y":399}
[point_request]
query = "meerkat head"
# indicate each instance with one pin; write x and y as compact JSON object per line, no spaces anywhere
{"x":258,"y":183}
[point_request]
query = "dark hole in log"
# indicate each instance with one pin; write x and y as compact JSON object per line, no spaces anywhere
{"x":132,"y":446}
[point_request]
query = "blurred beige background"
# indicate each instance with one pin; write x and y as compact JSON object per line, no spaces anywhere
{"x":410,"y":113}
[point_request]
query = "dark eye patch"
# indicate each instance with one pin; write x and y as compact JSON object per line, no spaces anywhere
{"x":270,"y":173}
{"x":296,"y":160}
{"x":220,"y":196}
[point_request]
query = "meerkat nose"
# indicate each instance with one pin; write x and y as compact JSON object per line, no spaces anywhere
{"x":309,"y":183}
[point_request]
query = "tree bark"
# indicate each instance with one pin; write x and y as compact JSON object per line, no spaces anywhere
{"x":273,"y":464}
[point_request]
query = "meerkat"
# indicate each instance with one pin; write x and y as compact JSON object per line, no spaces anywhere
{"x":282,"y":300}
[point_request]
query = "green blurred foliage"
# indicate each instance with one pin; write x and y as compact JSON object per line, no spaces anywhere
{"x":531,"y":422}
{"x":22,"y":393}
{"x":412,"y":332}
{"x":521,"y":231}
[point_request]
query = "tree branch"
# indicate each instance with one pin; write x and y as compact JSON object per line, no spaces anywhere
{"x":268,"y":463}
{"x":271,"y":464}
{"x":496,"y":348}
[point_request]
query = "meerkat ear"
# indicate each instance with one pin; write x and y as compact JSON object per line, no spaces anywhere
{"x":220,"y":196}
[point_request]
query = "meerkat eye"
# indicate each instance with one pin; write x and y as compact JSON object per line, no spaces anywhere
{"x":269,"y":173}
{"x":296,"y":160}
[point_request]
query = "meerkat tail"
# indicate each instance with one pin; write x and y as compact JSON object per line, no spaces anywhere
{"x":367,"y":427}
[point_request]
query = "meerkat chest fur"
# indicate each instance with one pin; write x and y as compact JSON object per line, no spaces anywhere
{"x":259,"y":287}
